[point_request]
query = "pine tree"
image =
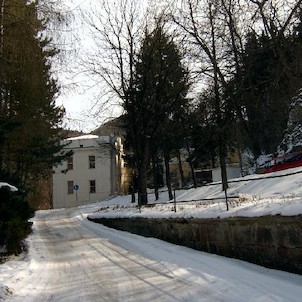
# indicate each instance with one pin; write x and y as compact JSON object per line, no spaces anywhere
{"x":268,"y":80}
{"x":29,"y":118}
{"x":160,"y":86}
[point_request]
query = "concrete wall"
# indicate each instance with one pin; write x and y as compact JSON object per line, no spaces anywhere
{"x":272,"y":241}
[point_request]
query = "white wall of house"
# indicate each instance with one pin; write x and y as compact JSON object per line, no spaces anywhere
{"x":96,"y":181}
{"x":232,"y":172}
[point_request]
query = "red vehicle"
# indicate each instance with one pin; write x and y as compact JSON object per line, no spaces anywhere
{"x":288,"y":161}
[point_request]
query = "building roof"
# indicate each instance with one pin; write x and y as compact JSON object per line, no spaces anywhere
{"x":87,"y":136}
{"x":114,"y":126}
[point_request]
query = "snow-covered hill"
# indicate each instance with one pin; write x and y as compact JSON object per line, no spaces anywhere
{"x":270,"y":194}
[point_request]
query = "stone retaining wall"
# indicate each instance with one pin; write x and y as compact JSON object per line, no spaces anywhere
{"x":272,"y":241}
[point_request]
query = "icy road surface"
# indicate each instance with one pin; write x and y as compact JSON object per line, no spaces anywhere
{"x":72,"y":259}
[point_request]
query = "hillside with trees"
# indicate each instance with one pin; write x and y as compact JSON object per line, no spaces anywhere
{"x":240,"y":67}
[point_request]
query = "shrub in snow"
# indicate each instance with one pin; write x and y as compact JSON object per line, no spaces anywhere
{"x":253,"y":163}
{"x":14,"y":215}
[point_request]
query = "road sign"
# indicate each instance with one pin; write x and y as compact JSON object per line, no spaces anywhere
{"x":76,"y":187}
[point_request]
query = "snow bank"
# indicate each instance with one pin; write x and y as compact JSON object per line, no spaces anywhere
{"x":5,"y":184}
{"x":278,"y":193}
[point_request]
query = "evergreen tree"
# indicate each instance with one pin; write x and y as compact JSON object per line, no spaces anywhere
{"x":171,"y":138}
{"x":204,"y":132}
{"x":29,"y":118}
{"x":268,"y":80}
{"x":160,"y":87}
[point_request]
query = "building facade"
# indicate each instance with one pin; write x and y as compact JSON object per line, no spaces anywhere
{"x":93,"y":172}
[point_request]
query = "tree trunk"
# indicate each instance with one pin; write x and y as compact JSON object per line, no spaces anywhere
{"x":155,"y":173}
{"x":182,"y":177}
{"x":132,"y":188}
{"x":142,"y":185}
{"x":143,"y":174}
{"x":191,"y":164}
{"x":240,"y":161}
{"x":168,"y":175}
{"x":224,"y":178}
{"x":219,"y":119}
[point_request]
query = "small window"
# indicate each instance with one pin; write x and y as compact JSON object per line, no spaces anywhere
{"x":70,"y":163}
{"x":91,"y":162}
{"x":70,"y":186}
{"x":92,"y":186}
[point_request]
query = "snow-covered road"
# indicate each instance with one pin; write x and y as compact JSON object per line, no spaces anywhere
{"x":72,"y":259}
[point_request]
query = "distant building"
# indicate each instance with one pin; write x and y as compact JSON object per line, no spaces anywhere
{"x":235,"y":167}
{"x":94,"y":171}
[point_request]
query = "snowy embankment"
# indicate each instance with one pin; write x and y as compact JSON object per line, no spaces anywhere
{"x":278,"y":193}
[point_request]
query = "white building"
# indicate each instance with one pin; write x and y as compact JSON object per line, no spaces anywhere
{"x":92,"y":173}
{"x":232,"y":172}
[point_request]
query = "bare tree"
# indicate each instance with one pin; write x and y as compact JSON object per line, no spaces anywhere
{"x":274,"y":17}
{"x":116,"y":29}
{"x":205,"y":31}
{"x":216,"y":31}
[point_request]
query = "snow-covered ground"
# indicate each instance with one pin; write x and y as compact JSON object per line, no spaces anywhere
{"x":72,"y":259}
{"x":259,"y":195}
{"x":5,"y":184}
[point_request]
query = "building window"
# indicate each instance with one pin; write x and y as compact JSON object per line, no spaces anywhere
{"x":91,"y":162}
{"x":70,"y":186}
{"x":70,"y":163}
{"x":92,"y":186}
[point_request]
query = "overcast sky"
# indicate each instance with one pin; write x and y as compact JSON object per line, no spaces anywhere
{"x":78,"y":95}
